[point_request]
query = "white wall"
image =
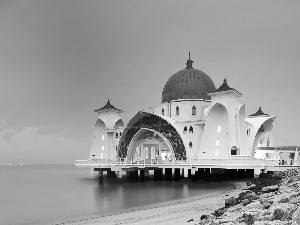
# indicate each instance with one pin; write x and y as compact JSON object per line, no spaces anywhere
{"x":218,"y":116}
{"x":99,"y":141}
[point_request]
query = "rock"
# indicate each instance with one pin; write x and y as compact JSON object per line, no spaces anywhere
{"x":296,"y":217}
{"x":231,"y":202}
{"x":278,"y":214}
{"x":203,"y":217}
{"x":219,"y":212}
{"x":283,"y":211}
{"x":284,"y":200}
{"x":269,"y":189}
{"x":248,"y":219}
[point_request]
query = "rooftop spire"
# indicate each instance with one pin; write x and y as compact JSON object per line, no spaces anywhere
{"x":189,"y":62}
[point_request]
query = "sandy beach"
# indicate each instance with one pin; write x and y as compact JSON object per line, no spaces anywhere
{"x":167,"y":213}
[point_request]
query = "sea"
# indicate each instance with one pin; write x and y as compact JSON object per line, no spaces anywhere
{"x":43,"y":194}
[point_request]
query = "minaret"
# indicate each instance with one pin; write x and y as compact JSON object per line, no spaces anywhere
{"x":108,"y":129}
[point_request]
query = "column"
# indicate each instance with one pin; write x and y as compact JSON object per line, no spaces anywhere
{"x":185,"y":173}
{"x":119,"y":174}
{"x":100,"y":176}
{"x":146,"y":174}
{"x":256,"y":172}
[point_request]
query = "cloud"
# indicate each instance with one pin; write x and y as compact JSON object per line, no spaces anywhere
{"x":28,"y":146}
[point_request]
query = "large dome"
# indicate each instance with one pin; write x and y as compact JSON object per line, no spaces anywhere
{"x":188,"y":83}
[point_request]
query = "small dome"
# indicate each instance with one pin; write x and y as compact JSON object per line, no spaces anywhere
{"x":188,"y":83}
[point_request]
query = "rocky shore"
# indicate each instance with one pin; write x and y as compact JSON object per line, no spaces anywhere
{"x":269,"y":200}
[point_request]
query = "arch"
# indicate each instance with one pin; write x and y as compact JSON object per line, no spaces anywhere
{"x":194,"y":110}
{"x":191,"y":130}
{"x":119,"y":123}
{"x":184,"y":129}
{"x":234,"y":150}
{"x":162,"y":111}
{"x":262,"y":135}
{"x":99,"y":140}
{"x":153,"y":122}
{"x":177,"y":110}
{"x":217,"y":116}
{"x":149,"y":134}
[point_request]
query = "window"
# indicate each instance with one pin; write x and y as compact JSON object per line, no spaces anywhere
{"x":184,"y":130}
{"x":102,"y":147}
{"x":101,"y":155}
{"x":219,"y":129}
{"x":162,"y":111}
{"x":120,"y":134}
{"x":194,"y":110}
{"x":117,"y":135}
{"x":191,"y":130}
{"x":234,"y":150}
{"x":190,"y":144}
{"x":217,"y":142}
{"x":116,"y":147}
{"x":103,"y":137}
{"x":177,"y":110}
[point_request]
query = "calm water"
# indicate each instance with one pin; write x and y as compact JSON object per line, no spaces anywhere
{"x":41,"y":193}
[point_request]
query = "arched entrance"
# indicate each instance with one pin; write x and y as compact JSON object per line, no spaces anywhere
{"x":150,"y":145}
{"x":152,"y":122}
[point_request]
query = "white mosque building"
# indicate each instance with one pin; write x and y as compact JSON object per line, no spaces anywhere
{"x":195,"y":120}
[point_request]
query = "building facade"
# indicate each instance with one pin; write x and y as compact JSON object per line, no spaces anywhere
{"x":195,"y":120}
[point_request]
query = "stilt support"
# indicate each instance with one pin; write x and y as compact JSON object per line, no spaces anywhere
{"x":100,"y":176}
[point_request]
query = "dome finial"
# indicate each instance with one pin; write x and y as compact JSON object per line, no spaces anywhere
{"x":189,"y":62}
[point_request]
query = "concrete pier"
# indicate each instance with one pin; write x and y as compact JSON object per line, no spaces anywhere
{"x":100,"y":173}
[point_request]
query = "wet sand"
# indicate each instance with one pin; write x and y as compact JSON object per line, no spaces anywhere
{"x":167,"y":213}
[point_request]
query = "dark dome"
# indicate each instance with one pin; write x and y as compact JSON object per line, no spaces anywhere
{"x":188,"y":83}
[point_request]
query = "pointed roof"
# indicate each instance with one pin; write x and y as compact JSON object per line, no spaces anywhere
{"x":108,"y":106}
{"x":259,"y":113}
{"x":225,"y":87}
{"x":189,"y":62}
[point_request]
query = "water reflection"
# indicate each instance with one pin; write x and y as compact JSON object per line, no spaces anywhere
{"x":112,"y":196}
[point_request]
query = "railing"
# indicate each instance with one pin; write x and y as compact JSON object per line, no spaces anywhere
{"x":243,"y":160}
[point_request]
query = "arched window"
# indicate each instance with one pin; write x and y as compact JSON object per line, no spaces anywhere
{"x":117,"y":135}
{"x":191,"y":130}
{"x":190,"y":144}
{"x":184,"y":130}
{"x":162,"y":111}
{"x":194,"y":110}
{"x":177,"y":110}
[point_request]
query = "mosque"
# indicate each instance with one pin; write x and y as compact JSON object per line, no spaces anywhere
{"x":195,"y":120}
{"x":196,"y":126}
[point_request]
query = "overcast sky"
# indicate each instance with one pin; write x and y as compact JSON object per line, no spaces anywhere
{"x":60,"y":60}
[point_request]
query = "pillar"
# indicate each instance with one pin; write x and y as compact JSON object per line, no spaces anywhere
{"x":146,"y":174}
{"x":100,"y":176}
{"x":119,"y":174}
{"x":127,"y":175}
{"x":256,"y":172}
{"x":185,"y":173}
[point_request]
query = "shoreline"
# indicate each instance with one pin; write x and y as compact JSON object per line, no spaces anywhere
{"x":171,"y":212}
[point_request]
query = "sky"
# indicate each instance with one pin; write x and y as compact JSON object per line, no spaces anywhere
{"x":60,"y":60}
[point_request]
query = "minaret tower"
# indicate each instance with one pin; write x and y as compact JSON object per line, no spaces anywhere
{"x":108,"y":129}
